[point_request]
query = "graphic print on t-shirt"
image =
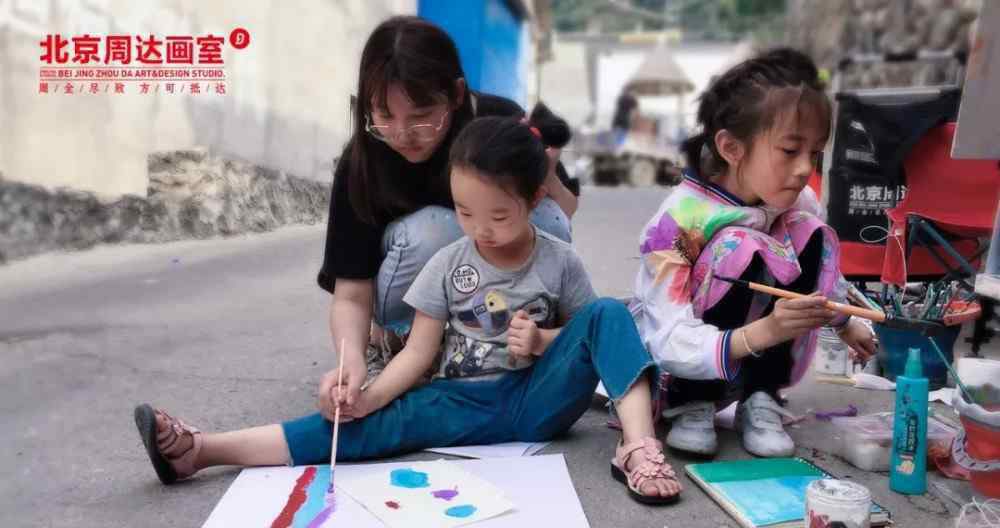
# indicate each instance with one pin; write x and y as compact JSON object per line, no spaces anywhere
{"x":465,"y":278}
{"x":490,"y":314}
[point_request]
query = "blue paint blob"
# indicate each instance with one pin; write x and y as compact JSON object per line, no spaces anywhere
{"x":407,"y":478}
{"x":464,"y":510}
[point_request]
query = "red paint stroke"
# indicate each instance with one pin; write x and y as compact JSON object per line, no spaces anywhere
{"x":392,"y":504}
{"x":295,"y":499}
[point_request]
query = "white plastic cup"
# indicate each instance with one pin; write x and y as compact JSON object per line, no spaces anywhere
{"x":832,"y":355}
{"x":840,"y":503}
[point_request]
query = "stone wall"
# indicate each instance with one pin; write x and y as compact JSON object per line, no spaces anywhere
{"x":830,"y":29}
{"x":191,"y":194}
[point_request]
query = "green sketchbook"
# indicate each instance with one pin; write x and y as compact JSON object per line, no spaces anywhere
{"x":765,"y":491}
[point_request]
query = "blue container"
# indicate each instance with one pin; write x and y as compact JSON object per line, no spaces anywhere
{"x":893,"y":346}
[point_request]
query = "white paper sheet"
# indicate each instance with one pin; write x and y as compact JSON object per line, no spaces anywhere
{"x":504,"y":450}
{"x":539,"y":486}
{"x":437,"y":493}
{"x":726,"y":418}
{"x":864,"y":380}
{"x":601,"y":390}
{"x":944,"y":395}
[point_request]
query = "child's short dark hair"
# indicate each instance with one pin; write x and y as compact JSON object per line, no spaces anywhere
{"x":508,"y":152}
{"x":748,"y":98}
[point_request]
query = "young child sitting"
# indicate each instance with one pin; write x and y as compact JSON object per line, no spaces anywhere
{"x":510,"y":323}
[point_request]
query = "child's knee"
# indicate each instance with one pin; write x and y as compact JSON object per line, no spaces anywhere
{"x":609,"y":307}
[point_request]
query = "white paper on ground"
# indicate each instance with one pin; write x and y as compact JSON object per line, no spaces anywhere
{"x":864,"y":380}
{"x":504,"y":450}
{"x":418,"y":505}
{"x":943,"y":395}
{"x":601,"y":390}
{"x":540,"y":486}
{"x":726,"y":418}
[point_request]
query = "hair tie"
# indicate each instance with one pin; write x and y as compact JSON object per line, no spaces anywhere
{"x":535,"y":131}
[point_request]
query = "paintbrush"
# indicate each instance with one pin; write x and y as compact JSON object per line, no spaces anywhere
{"x":947,"y":363}
{"x":866,"y":313}
{"x":331,"y":491}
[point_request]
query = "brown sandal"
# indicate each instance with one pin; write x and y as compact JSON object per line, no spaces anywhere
{"x":170,"y":465}
{"x":654,"y":467}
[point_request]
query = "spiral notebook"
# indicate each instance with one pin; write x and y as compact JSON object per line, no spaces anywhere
{"x":767,"y":492}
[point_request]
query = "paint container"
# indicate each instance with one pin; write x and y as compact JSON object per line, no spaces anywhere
{"x":832,"y":357}
{"x":894,"y":346}
{"x":837,"y":503}
{"x":866,"y":441}
{"x":977,"y":447}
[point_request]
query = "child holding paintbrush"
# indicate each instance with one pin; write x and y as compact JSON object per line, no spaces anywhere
{"x":508,"y":316}
{"x":744,"y":212}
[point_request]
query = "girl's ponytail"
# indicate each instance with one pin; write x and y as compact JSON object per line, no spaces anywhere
{"x":554,"y":130}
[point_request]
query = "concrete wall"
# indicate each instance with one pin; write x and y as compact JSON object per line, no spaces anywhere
{"x":286,"y":105}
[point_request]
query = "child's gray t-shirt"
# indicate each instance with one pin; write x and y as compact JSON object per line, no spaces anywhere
{"x":478,"y":300}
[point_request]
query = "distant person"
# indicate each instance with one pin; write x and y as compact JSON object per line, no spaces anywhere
{"x":626,"y":108}
{"x":509,"y":322}
{"x":743,"y":211}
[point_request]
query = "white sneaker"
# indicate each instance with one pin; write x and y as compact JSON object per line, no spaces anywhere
{"x":693,"y":429}
{"x":759,"y":419}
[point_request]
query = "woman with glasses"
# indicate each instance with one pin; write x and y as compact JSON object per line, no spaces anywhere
{"x":391,"y":207}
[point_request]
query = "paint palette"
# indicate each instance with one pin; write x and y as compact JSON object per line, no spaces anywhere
{"x":435,"y":493}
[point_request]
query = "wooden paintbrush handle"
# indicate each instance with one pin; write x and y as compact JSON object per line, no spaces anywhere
{"x":865,"y":313}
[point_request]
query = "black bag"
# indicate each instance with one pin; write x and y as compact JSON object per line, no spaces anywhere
{"x":876,"y":129}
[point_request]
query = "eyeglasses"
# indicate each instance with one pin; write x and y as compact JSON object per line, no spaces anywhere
{"x":423,"y":132}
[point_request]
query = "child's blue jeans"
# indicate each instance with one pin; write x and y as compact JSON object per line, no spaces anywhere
{"x":535,"y":404}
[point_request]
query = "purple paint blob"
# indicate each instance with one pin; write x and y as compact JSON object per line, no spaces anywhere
{"x":322,"y":517}
{"x":445,"y":494}
{"x":392,"y":504}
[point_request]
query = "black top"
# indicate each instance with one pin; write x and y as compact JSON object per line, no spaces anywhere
{"x":353,"y":247}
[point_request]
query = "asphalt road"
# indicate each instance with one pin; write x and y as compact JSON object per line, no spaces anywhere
{"x":231,"y":333}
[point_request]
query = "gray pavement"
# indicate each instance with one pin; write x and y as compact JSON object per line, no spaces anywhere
{"x":231,"y":333}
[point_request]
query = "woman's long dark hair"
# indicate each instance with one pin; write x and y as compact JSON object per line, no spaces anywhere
{"x":423,"y":60}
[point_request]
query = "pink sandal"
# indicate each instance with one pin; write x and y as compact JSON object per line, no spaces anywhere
{"x":654,"y":467}
{"x":170,"y":466}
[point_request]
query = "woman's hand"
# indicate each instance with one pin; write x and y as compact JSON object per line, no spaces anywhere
{"x":346,"y":395}
{"x":860,"y":339}
{"x":363,"y":405}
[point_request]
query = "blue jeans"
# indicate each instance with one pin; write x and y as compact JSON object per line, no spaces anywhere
{"x":410,"y":241}
{"x":530,"y":405}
